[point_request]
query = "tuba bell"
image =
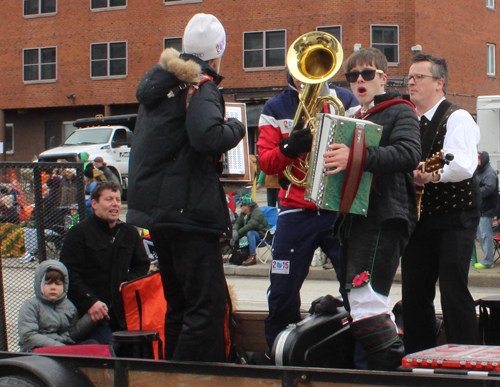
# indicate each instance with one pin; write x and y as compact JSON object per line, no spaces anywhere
{"x":313,"y":59}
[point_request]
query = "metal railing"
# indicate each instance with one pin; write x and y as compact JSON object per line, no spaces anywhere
{"x":39,"y":202}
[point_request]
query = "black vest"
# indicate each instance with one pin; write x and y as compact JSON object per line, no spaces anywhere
{"x":445,"y":197}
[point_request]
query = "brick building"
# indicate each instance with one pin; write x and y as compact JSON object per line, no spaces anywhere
{"x":63,"y":60}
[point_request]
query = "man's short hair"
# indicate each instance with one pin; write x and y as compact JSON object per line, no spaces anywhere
{"x":439,"y":68}
{"x":53,"y":275}
{"x":97,"y":191}
{"x":367,"y":56}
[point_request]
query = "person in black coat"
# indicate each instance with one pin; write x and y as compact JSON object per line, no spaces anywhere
{"x":373,"y":244}
{"x":488,"y":186}
{"x":174,"y":189}
{"x":101,"y":253}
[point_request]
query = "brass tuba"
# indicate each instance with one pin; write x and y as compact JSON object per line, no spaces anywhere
{"x":313,"y":58}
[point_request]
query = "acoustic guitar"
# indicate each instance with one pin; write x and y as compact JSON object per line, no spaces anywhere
{"x":433,"y":165}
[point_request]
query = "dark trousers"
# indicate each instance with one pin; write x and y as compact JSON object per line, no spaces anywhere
{"x":272,"y":197}
{"x":196,"y":293}
{"x":440,"y":247}
{"x":298,"y":235}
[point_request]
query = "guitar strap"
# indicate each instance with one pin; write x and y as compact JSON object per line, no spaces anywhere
{"x":429,"y":134}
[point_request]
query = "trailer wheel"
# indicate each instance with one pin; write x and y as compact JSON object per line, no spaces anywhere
{"x":20,"y":381}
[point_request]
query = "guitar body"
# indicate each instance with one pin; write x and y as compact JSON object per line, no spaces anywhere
{"x":432,"y":165}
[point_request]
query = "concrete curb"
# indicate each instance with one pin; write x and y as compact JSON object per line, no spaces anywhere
{"x":477,"y":278}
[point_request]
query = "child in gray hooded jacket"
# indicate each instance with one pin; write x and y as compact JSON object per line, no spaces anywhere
{"x":50,"y":319}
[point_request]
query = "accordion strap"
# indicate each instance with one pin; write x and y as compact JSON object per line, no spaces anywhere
{"x":354,"y":170}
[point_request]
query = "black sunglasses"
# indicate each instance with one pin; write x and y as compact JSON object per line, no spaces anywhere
{"x":367,"y":75}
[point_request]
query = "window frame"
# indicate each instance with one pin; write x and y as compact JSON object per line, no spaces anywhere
{"x":11,"y":151}
{"x":40,"y":14}
{"x":397,"y":44}
{"x":263,"y":49}
{"x":109,"y":7}
{"x":108,"y":76}
{"x":336,"y":26}
{"x":179,"y":2}
{"x":172,"y":38}
{"x":490,"y":60}
{"x":490,"y":4}
{"x":39,"y":64}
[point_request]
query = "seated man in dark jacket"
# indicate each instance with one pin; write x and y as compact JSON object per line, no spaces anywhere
{"x":251,"y":224}
{"x":101,"y":253}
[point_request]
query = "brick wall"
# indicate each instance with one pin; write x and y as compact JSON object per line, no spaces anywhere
{"x":461,"y":36}
{"x":458,"y":30}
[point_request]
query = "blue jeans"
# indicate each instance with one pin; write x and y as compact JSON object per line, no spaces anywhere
{"x":253,"y":239}
{"x":485,"y":237}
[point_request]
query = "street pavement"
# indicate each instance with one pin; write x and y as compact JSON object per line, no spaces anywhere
{"x":250,"y":283}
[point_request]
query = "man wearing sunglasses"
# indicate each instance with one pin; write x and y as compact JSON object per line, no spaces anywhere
{"x":442,"y":243}
{"x":373,"y":244}
{"x":301,"y":228}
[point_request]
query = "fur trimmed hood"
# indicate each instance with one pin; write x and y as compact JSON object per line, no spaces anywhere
{"x":185,"y":71}
{"x":172,"y":70}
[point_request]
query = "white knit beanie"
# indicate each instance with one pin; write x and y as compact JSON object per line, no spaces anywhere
{"x":204,"y":37}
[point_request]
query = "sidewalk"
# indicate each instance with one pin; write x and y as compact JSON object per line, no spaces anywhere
{"x":477,"y":278}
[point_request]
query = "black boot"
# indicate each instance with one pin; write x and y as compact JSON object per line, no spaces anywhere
{"x":379,"y":337}
{"x":388,"y":359}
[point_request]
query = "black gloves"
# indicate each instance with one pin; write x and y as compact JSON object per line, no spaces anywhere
{"x":327,"y":304}
{"x":299,"y":141}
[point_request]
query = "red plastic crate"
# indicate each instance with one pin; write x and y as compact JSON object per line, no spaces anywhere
{"x":454,"y":356}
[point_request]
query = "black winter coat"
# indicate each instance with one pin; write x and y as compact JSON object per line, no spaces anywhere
{"x":172,"y":180}
{"x":393,"y":193}
{"x":97,"y":266}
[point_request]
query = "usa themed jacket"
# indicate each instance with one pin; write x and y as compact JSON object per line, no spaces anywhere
{"x":274,"y":124}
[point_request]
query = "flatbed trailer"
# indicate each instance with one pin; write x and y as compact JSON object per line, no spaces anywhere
{"x":78,"y":371}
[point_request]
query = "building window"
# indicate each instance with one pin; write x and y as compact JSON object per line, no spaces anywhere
{"x":104,"y":4}
{"x":386,"y":39}
{"x":9,"y":139}
{"x":490,"y":57}
{"x":173,"y":2}
{"x":173,"y":42}
{"x":335,"y":31}
{"x":264,"y":49}
{"x":490,"y":4}
{"x":38,"y":7}
{"x":108,"y":60}
{"x":40,"y":64}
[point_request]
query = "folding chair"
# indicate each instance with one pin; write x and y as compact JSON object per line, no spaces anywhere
{"x":271,"y":214}
{"x":496,"y":243}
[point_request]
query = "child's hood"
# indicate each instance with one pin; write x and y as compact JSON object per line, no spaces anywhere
{"x":40,"y":273}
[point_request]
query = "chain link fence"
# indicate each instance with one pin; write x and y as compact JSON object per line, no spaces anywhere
{"x":39,"y":202}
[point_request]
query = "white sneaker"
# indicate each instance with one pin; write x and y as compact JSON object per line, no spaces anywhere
{"x":27,"y":258}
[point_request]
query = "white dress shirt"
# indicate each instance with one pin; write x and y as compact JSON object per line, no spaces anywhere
{"x":461,"y":139}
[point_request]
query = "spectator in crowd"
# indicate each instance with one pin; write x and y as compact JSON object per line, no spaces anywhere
{"x":8,"y":208}
{"x":272,"y":188}
{"x":101,"y":253}
{"x":488,"y":185}
{"x":101,"y":166}
{"x":49,"y":319}
{"x":250,"y":227}
{"x":69,"y":187}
